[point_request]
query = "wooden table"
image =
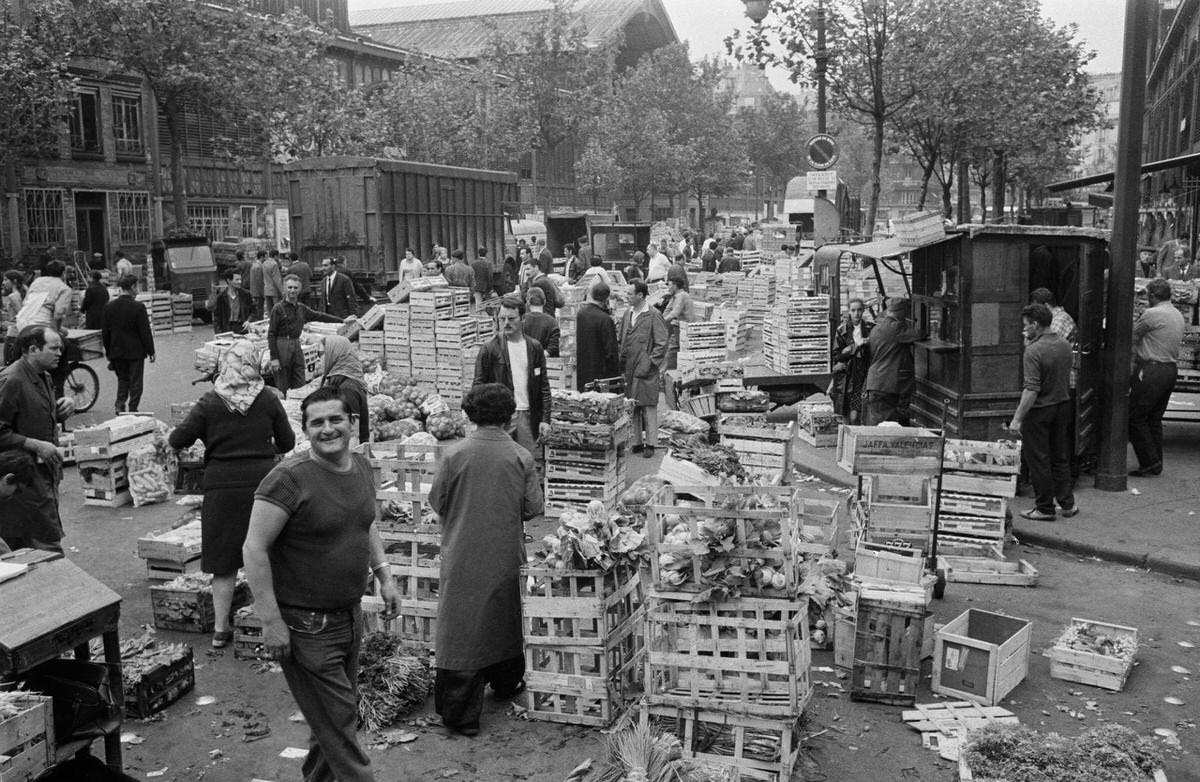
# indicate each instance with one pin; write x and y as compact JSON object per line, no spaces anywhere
{"x":54,"y":608}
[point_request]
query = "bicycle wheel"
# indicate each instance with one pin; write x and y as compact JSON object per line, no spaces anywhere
{"x":82,"y":387}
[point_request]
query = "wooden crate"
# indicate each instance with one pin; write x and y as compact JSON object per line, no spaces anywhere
{"x":180,"y":545}
{"x":816,"y":520}
{"x":892,"y":450}
{"x":877,"y":563}
{"x":167,"y":570}
{"x":982,"y":456}
{"x":114,"y":437}
{"x":700,"y":405}
{"x":984,"y":570}
{"x":845,"y":620}
{"x":750,"y":747}
{"x":748,"y":656}
{"x":190,"y":610}
{"x":972,"y":483}
{"x":680,"y":471}
{"x":980,"y":656}
{"x":887,"y":647}
{"x":247,"y":635}
{"x":583,"y":642}
{"x":960,"y":504}
{"x":27,"y":745}
{"x":1098,"y":670}
{"x":104,"y":477}
{"x":974,"y":526}
{"x":157,"y":689}
{"x":977,"y":548}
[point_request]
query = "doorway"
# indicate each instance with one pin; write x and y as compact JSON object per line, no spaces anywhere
{"x":91,"y":219}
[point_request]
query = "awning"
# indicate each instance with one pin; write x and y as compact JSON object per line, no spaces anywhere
{"x":1095,"y":179}
{"x":884,"y":248}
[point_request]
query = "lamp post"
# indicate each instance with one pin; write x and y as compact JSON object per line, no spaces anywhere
{"x":757,"y":10}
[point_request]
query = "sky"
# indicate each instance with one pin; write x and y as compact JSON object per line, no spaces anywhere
{"x":705,"y":23}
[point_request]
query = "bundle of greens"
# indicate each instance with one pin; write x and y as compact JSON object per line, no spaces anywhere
{"x":1111,"y":753}
{"x":719,"y":460}
{"x":643,"y":755}
{"x":392,"y":681}
{"x":596,"y":539}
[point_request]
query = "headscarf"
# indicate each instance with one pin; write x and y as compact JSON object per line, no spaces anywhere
{"x":340,"y":359}
{"x":238,"y":380}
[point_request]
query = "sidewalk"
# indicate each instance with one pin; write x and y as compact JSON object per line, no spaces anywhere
{"x":1153,"y":524}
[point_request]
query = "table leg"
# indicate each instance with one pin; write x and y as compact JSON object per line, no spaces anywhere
{"x":112,"y":655}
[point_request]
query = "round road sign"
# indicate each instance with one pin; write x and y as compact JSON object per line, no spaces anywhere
{"x":822,"y":151}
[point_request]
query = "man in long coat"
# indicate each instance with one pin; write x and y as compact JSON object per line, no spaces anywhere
{"x":643,"y":337}
{"x":595,"y":338}
{"x":486,"y":487}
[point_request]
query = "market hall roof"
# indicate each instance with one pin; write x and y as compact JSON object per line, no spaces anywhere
{"x":462,"y":30}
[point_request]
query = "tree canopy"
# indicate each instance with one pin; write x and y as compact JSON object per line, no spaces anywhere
{"x":35,"y":85}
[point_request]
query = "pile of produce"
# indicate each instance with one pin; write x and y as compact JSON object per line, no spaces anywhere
{"x":392,"y":682}
{"x":683,"y":423}
{"x":586,"y":407}
{"x":641,"y":493}
{"x":719,"y":460}
{"x":144,"y":655}
{"x":395,"y":512}
{"x":825,"y":582}
{"x":196,"y":582}
{"x":596,"y":539}
{"x":1087,"y":637}
{"x":644,"y":755}
{"x":1111,"y":753}
{"x":744,"y":402}
{"x":401,"y":409}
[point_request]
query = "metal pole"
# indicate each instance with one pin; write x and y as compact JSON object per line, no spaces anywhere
{"x":1118,"y":337}
{"x":821,"y":56}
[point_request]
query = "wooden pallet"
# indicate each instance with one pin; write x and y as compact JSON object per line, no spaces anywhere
{"x":750,"y":747}
{"x":982,"y":570}
{"x":944,"y":726}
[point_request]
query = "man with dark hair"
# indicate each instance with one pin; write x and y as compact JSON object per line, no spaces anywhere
{"x":481,"y":268}
{"x":518,"y":363}
{"x":127,"y":343}
{"x":554,"y":297}
{"x":29,"y":416}
{"x":1061,"y":321}
{"x":545,"y":258}
{"x":312,"y":542}
{"x":484,"y":491}
{"x":1043,"y":416}
{"x":302,"y":270}
{"x":94,"y":299}
{"x":643,"y":341}
{"x":1157,"y":336}
{"x":283,"y":335}
{"x":233,"y":306}
{"x":595,"y":338}
{"x":339,"y":300}
{"x":890,"y":377}
{"x":459,"y":273}
{"x":48,"y":299}
{"x":540,"y":326}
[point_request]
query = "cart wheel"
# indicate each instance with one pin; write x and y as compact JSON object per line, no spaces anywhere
{"x":939,"y":586}
{"x":82,"y":387}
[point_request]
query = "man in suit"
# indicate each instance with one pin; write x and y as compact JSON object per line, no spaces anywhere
{"x":545,"y":258}
{"x":338,"y":290}
{"x":540,"y":326}
{"x":595,"y":338}
{"x":890,"y":377}
{"x":127,"y":343}
{"x":233,"y":305}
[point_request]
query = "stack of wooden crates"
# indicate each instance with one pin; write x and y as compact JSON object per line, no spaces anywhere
{"x":585,"y":454}
{"x":731,"y":675}
{"x":101,"y":452}
{"x":796,"y":336}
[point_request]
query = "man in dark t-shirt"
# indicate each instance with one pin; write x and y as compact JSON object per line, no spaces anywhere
{"x":311,"y":543}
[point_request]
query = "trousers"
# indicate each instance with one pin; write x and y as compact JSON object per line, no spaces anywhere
{"x":291,"y":365}
{"x":879,"y":406}
{"x":30,"y":517}
{"x":1149,"y":393}
{"x":130,"y":374}
{"x":322,"y":673}
{"x":1046,"y":451}
{"x":458,"y":695}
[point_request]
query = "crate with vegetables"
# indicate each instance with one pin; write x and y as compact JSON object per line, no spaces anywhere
{"x":1109,"y":752}
{"x":763,"y":450}
{"x":186,"y":603}
{"x":1095,"y":653}
{"x":743,"y":748}
{"x":582,"y":608}
{"x":154,"y":675}
{"x":26,"y":735}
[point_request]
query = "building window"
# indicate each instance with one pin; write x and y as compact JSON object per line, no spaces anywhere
{"x":127,"y":124}
{"x":212,"y":221}
{"x":85,"y":122}
{"x":133,"y":210}
{"x":249,"y":219}
{"x":43,"y":216}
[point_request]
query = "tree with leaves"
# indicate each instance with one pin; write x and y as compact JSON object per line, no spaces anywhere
{"x":872,"y":74}
{"x":228,"y":61}
{"x":35,"y":85}
{"x":773,"y":134}
{"x":562,"y":77}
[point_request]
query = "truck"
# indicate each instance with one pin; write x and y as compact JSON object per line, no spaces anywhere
{"x":369,"y":210}
{"x":187,"y":265}
{"x":612,"y":240}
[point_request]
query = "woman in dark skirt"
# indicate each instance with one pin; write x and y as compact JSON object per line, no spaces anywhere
{"x":344,"y":371}
{"x":243,"y":427}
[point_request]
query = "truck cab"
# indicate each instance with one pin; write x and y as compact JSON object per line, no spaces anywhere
{"x":613,"y":241}
{"x":191,"y":268}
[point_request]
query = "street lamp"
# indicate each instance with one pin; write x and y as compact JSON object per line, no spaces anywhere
{"x":757,"y":10}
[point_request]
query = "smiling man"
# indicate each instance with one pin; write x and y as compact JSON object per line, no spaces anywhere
{"x":312,"y":545}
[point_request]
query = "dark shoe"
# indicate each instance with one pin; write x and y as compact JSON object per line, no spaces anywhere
{"x":221,"y":638}
{"x":648,"y":452}
{"x":637,"y":449}
{"x":1146,"y":472}
{"x":510,"y":694}
{"x":1033,"y":514}
{"x":1069,"y":512}
{"x":468,"y":729}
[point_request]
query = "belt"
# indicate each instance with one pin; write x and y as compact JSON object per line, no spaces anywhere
{"x":346,"y":610}
{"x":1152,"y":361}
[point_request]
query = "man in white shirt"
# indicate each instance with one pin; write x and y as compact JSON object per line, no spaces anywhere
{"x":659,"y":264}
{"x":519,"y":363}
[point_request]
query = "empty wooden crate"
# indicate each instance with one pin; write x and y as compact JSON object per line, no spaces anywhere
{"x":981,"y":656}
{"x":887,"y":646}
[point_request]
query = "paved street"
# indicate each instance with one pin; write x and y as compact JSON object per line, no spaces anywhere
{"x":849,"y":741}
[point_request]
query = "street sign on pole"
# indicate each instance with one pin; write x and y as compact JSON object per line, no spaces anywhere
{"x":815,"y":181}
{"x":822,"y":151}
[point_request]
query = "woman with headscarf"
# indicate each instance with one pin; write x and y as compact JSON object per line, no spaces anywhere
{"x":344,"y":371}
{"x":243,"y":427}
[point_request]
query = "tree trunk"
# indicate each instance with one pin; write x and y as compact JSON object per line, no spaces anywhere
{"x":926,"y":175}
{"x":174,"y":117}
{"x":964,"y":191}
{"x":999,"y":186}
{"x":876,"y":166}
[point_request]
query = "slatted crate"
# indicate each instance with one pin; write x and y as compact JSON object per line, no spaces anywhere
{"x":702,"y":335}
{"x":456,"y":333}
{"x":27,"y":745}
{"x":764,"y":450}
{"x":982,"y":456}
{"x":748,"y":656}
{"x":817,"y":424}
{"x":432,"y":305}
{"x":751,"y":748}
{"x":170,"y":553}
{"x":583,"y":642}
{"x":991,"y":485}
{"x":191,"y":610}
{"x":157,"y":689}
{"x":899,"y":501}
{"x":874,"y":563}
{"x":105,"y":482}
{"x":247,"y":635}
{"x":372,"y":342}
{"x":952,"y":545}
{"x":816,"y":521}
{"x":887,"y":650}
{"x":973,"y":526}
{"x":1109,"y":672}
{"x":892,"y":450}
{"x":114,"y":437}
